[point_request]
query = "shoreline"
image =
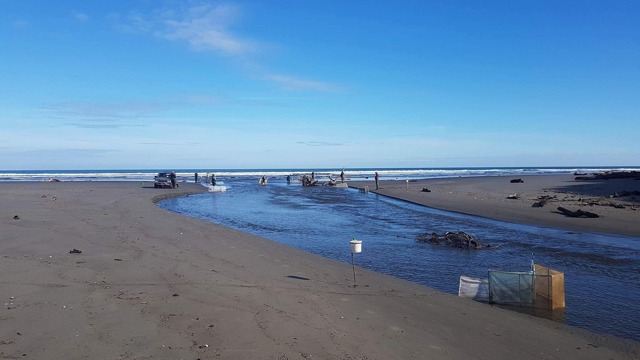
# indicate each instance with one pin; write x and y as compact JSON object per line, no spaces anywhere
{"x":152,"y":283}
{"x":487,"y":197}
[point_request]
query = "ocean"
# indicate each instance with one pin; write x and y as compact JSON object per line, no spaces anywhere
{"x":353,"y":174}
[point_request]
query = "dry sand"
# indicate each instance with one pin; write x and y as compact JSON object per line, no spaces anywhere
{"x":152,"y":284}
{"x":487,"y":197}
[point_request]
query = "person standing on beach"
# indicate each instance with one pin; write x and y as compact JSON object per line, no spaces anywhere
{"x":342,"y":176}
{"x":213,"y":180}
{"x":172,"y":176}
{"x":377,"y":180}
{"x":196,"y":176}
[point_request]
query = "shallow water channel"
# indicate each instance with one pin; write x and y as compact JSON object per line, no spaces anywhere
{"x":602,"y":272}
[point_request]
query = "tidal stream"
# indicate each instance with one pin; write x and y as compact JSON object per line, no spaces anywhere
{"x":602,"y":272}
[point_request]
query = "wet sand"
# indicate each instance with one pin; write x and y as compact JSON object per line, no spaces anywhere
{"x":487,"y":197}
{"x":150,"y":283}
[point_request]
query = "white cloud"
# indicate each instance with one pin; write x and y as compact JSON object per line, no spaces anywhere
{"x":80,"y":17}
{"x":102,"y":111}
{"x":293,"y":83}
{"x":20,"y":24}
{"x":208,"y":27}
{"x":203,"y":27}
{"x":320,"y":143}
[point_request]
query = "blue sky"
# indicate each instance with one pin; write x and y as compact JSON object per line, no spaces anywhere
{"x":280,"y":84}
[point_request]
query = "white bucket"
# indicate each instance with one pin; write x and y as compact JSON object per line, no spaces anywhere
{"x":356,"y":246}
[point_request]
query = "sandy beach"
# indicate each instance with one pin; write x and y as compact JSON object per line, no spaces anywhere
{"x":147,"y":283}
{"x":488,"y":197}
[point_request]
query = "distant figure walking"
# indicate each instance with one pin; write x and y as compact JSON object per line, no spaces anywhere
{"x":288,"y":179}
{"x":196,"y":176}
{"x":172,"y":176}
{"x":342,"y":176}
{"x":377,"y":180}
{"x":313,"y":176}
{"x":214,"y":181}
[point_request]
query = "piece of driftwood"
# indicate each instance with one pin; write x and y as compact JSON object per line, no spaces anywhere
{"x":625,"y":193}
{"x":458,"y":239}
{"x":611,"y":175}
{"x":618,"y":175}
{"x":513,"y":197}
{"x":307,"y":180}
{"x":514,"y":181}
{"x":542,"y":200}
{"x":578,"y":213}
{"x":330,"y":182}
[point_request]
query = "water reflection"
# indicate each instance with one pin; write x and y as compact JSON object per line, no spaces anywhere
{"x":602,"y":273}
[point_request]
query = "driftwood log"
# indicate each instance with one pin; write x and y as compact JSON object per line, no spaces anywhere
{"x":459,"y":240}
{"x":578,"y":213}
{"x":513,"y":181}
{"x":625,"y":193}
{"x":618,"y":175}
{"x":307,"y":180}
{"x":542,"y":200}
{"x":611,"y":175}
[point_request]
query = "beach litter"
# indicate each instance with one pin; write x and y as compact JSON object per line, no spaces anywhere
{"x":75,"y":251}
{"x":541,"y":288}
{"x":514,"y":181}
{"x":16,"y":217}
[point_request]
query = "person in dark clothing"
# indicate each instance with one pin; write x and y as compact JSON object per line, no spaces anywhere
{"x":342,"y":176}
{"x":172,"y":176}
{"x":213,"y":180}
{"x":377,"y":180}
{"x":196,"y":176}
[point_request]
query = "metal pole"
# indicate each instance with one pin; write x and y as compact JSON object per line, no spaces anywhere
{"x":354,"y":268}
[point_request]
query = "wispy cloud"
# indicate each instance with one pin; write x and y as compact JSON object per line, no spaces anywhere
{"x":20,"y":24}
{"x":198,"y":100}
{"x":205,"y":27}
{"x":80,"y":17}
{"x":293,"y":83}
{"x":105,"y":125}
{"x":95,"y":115}
{"x":65,"y":152}
{"x":174,"y":143}
{"x":103,"y":110}
{"x":209,"y":27}
{"x":319,"y":143}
